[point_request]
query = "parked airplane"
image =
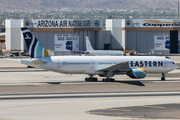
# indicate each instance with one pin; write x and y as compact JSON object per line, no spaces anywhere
{"x":104,"y":66}
{"x":91,"y":51}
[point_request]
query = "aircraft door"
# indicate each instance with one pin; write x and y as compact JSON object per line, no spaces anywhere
{"x":59,"y":64}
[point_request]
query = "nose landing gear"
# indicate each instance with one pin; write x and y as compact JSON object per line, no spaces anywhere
{"x":163,"y":76}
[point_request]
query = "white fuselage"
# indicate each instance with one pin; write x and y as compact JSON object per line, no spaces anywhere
{"x":90,"y":64}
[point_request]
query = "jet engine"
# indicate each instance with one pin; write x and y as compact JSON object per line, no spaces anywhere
{"x":137,"y":73}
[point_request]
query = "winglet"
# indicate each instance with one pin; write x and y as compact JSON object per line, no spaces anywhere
{"x":88,"y":44}
{"x":35,"y":48}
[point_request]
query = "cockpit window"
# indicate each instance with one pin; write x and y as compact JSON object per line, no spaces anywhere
{"x":173,"y":62}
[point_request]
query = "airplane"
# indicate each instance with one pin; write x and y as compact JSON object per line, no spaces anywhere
{"x":91,"y":51}
{"x":105,"y":66}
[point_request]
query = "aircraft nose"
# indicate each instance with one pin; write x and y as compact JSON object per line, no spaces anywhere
{"x":175,"y":66}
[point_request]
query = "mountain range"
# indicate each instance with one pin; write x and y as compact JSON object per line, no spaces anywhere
{"x":30,"y":5}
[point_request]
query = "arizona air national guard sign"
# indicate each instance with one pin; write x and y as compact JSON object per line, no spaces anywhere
{"x":61,"y":36}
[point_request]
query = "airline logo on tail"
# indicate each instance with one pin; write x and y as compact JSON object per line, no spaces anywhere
{"x":27,"y":37}
{"x":35,"y":48}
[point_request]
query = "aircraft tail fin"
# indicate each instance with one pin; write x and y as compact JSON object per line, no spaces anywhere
{"x":88,"y":44}
{"x":35,"y":48}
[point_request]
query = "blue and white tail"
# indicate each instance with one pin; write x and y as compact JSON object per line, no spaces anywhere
{"x":88,"y":44}
{"x":35,"y":48}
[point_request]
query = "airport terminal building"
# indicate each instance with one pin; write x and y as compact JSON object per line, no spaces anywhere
{"x":63,"y":36}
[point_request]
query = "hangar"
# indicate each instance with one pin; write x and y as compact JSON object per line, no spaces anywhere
{"x":67,"y":36}
{"x":60,"y":36}
{"x":155,"y":36}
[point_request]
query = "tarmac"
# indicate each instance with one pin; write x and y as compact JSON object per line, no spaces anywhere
{"x":30,"y":93}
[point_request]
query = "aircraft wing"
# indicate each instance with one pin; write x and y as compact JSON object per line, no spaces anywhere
{"x":38,"y":61}
{"x":121,"y":67}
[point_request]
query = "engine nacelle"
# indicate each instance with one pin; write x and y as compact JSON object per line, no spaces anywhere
{"x":137,"y":73}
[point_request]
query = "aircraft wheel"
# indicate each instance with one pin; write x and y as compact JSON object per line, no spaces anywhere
{"x":112,"y":80}
{"x":91,"y":79}
{"x":163,"y":78}
{"x":108,"y":80}
{"x":95,"y":79}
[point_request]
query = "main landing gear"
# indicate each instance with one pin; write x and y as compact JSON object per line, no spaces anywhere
{"x":108,"y":79}
{"x":91,"y":79}
{"x":163,"y":77}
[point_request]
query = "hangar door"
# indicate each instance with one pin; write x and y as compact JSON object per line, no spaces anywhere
{"x":174,"y":42}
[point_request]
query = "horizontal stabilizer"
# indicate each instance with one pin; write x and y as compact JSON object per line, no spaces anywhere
{"x":38,"y":61}
{"x":19,"y":60}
